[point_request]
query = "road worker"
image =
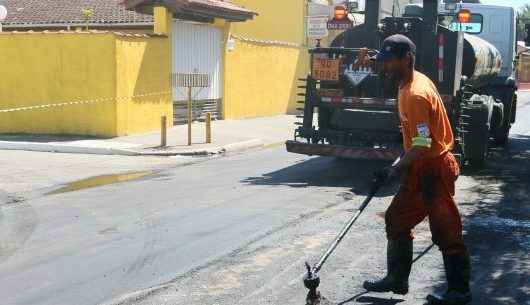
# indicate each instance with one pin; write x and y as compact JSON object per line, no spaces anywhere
{"x":428,"y":172}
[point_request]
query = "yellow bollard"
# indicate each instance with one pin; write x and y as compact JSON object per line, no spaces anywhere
{"x":208,"y":127}
{"x":163,"y":133}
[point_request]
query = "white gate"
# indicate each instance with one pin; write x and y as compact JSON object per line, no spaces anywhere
{"x":197,"y":49}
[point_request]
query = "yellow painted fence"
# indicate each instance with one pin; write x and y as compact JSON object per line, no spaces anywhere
{"x":261,"y":80}
{"x":84,"y":83}
{"x":261,"y":73}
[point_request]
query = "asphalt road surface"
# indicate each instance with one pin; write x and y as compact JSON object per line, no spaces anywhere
{"x":237,"y":230}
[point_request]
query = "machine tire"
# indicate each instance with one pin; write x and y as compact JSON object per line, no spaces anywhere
{"x":477,"y":134}
{"x":478,"y":150}
{"x":514,"y":108}
{"x":324,"y":116}
{"x":501,"y":134}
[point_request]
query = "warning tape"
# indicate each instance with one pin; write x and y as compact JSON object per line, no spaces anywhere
{"x":267,"y":42}
{"x":98,"y":100}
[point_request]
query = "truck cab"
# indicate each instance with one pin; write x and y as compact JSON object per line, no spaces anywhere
{"x":496,"y":25}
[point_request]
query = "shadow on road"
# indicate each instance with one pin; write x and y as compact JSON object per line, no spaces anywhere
{"x":497,"y":227}
{"x":326,"y":172}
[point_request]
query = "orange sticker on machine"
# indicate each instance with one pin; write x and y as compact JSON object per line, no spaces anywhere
{"x":326,"y":69}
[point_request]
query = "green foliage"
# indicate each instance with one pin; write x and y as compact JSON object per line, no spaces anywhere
{"x":523,"y":17}
{"x":87,"y":14}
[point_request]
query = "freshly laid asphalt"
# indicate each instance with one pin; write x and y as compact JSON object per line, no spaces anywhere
{"x":237,"y":229}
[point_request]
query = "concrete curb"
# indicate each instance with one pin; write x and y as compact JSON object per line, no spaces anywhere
{"x":65,"y":148}
{"x":241,"y":146}
{"x":229,"y":148}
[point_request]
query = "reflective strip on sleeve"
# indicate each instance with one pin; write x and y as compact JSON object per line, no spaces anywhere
{"x":421,"y":142}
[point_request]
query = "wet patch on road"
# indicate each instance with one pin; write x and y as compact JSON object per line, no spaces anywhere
{"x":99,"y":181}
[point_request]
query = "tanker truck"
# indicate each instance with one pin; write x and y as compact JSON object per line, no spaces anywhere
{"x":350,"y":110}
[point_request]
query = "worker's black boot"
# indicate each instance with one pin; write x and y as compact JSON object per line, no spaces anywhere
{"x":457,"y":270}
{"x":399,"y":262}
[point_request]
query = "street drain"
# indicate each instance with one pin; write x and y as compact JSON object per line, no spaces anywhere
{"x":99,"y":181}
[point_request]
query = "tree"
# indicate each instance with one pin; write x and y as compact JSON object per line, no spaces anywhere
{"x":523,"y":17}
{"x":87,"y":14}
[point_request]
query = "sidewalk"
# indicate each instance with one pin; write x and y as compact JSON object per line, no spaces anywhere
{"x":227,"y":136}
{"x":524,"y":86}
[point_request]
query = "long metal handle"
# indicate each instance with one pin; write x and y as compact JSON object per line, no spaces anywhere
{"x":343,"y":233}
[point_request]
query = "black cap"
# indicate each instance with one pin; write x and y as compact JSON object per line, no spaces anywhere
{"x":396,"y":46}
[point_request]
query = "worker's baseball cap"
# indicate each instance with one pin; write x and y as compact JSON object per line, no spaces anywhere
{"x":395,"y":46}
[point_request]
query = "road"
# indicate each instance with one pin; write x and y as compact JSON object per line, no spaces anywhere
{"x":237,"y":230}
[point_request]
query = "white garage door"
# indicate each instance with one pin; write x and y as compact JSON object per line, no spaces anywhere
{"x":197,"y":49}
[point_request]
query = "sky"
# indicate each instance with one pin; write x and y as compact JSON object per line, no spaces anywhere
{"x":515,"y":3}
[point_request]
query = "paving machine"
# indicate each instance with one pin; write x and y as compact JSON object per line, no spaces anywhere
{"x":350,"y":108}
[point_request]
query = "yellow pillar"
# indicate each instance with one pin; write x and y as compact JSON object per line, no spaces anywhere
{"x":163,"y":25}
{"x":226,"y":27}
{"x":163,"y":20}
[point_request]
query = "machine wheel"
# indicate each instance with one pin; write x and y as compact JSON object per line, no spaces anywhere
{"x":324,"y":116}
{"x":501,"y":134}
{"x":477,"y":133}
{"x":514,"y":108}
{"x":500,"y":138}
{"x":479,"y":149}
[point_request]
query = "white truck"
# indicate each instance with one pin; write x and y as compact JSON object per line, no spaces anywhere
{"x":497,"y":25}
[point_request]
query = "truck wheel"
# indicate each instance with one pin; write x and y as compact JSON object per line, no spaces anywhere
{"x":476,"y":133}
{"x":500,"y":138}
{"x":514,"y":108}
{"x":478,"y":149}
{"x":501,"y":134}
{"x":324,"y":116}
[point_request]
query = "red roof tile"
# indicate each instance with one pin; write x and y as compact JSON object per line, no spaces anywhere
{"x":46,"y":12}
{"x":198,"y":8}
{"x":222,"y":4}
{"x":112,"y":12}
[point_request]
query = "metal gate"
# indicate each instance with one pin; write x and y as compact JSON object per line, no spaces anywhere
{"x":197,"y":49}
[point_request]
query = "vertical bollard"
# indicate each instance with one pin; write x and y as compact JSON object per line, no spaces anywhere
{"x":208,"y":127}
{"x":190,"y":115}
{"x":163,"y":133}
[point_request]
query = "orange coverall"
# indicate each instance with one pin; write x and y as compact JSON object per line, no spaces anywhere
{"x":429,"y":185}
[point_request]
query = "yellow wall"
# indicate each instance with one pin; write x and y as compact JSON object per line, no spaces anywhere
{"x":143,"y":66}
{"x":260,"y":79}
{"x":276,"y":20}
{"x":52,"y":68}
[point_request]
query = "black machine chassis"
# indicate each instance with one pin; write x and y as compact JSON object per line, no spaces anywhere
{"x":481,"y":114}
